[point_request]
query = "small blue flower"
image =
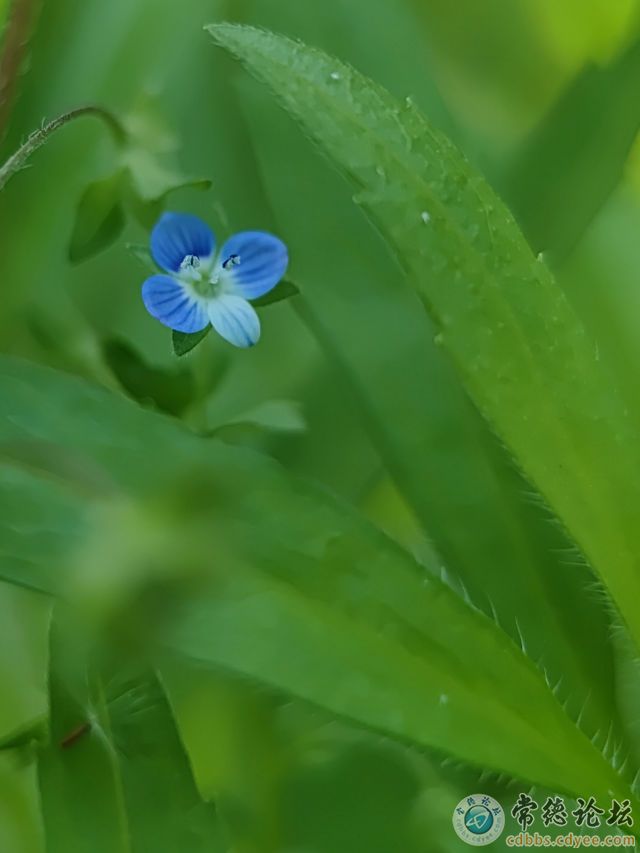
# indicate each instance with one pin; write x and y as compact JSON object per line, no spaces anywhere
{"x":204,"y":286}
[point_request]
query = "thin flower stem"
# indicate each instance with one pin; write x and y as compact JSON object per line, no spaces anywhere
{"x":39,"y":137}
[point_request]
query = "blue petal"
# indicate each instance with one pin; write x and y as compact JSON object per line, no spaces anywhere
{"x":177,"y":235}
{"x":263,"y":260}
{"x":235,"y":320}
{"x":168,"y":301}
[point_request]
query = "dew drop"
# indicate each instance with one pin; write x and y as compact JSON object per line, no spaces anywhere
{"x":335,"y":76}
{"x":426,"y":217}
{"x":444,"y":699}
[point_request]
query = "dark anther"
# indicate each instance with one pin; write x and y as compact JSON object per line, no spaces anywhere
{"x":232,"y":261}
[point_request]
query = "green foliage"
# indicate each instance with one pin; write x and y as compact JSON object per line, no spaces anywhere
{"x":400,"y":638}
{"x":183,"y":342}
{"x":499,"y":313}
{"x":100,"y":219}
{"x":172,"y":391}
{"x":448,"y":467}
{"x":575,"y":158}
{"x":115,"y":754}
{"x":284,"y":290}
{"x":308,"y":596}
{"x":142,"y":184}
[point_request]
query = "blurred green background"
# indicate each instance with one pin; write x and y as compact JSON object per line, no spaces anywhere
{"x":347,"y":386}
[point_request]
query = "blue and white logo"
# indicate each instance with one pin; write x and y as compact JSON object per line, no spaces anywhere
{"x":478,"y":819}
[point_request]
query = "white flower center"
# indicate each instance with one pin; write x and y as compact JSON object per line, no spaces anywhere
{"x":207,"y":278}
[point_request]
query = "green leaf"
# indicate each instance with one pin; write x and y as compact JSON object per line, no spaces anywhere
{"x":575,"y":158}
{"x":24,"y":631}
{"x":99,"y":218}
{"x":80,"y":750}
{"x":37,"y":517}
{"x":270,"y":761}
{"x":237,"y":751}
{"x":524,"y":355}
{"x":151,"y":183}
{"x":284,"y":416}
{"x":148,"y":162}
{"x":142,"y":253}
{"x":172,"y":391}
{"x":377,"y":639}
{"x":115,"y":756}
{"x":183,"y":342}
{"x":21,"y":829}
{"x":369,"y":658}
{"x":453,"y":475}
{"x":284,"y":290}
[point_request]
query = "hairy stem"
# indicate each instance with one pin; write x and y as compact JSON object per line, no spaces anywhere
{"x":39,"y":137}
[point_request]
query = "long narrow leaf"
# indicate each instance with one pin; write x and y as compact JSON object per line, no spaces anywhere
{"x":525,"y":357}
{"x":307,"y":596}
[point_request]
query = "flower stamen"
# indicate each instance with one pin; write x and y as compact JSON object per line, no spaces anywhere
{"x":232,"y":261}
{"x":190,"y":262}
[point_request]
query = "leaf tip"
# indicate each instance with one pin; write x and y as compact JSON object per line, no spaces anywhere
{"x":230,"y":35}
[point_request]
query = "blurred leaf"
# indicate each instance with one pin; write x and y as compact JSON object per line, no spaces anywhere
{"x":80,"y":765}
{"x":115,"y":755}
{"x":18,"y":21}
{"x":37,"y":518}
{"x":142,"y":253}
{"x":99,"y":218}
{"x":377,"y":639}
{"x":367,"y":795}
{"x":21,"y":829}
{"x":567,"y":169}
{"x":501,"y":316}
{"x":151,"y":183}
{"x":24,"y":630}
{"x":284,"y":290}
{"x":152,"y":144}
{"x":285,"y":774}
{"x":492,"y":62}
{"x":238,"y":754}
{"x":27,"y":736}
{"x":172,"y":391}
{"x":183,"y":343}
{"x":143,"y":181}
{"x":165,"y":809}
{"x":275,"y":415}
